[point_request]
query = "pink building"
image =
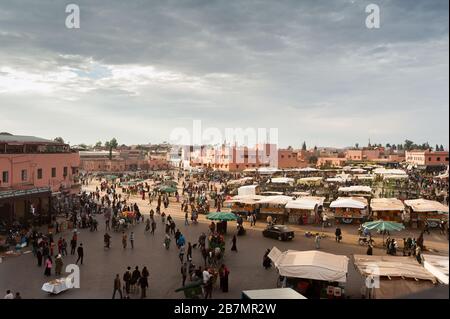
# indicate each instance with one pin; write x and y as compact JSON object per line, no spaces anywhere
{"x":426,"y":158}
{"x":363,"y":154}
{"x":31,"y":169}
{"x":289,"y":158}
{"x":331,"y":162}
{"x":234,"y":158}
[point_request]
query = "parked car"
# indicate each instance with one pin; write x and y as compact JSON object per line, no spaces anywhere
{"x":280,"y":232}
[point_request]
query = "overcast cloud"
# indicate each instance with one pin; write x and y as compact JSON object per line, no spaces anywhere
{"x":137,"y":69}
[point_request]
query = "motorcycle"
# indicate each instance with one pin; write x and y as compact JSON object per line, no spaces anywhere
{"x":365,"y":241}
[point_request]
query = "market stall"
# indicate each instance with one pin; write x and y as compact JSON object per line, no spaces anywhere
{"x":389,"y":209}
{"x":276,"y":293}
{"x":350,"y":210}
{"x":423,"y":211}
{"x":438,"y":266}
{"x":305,"y":210}
{"x":388,"y":277}
{"x":274,"y":206}
{"x":314,"y":274}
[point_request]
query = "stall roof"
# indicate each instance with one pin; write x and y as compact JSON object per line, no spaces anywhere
{"x":425,"y":205}
{"x":311,"y":264}
{"x":438,"y":266}
{"x":383,"y":204}
{"x":394,"y":171}
{"x":276,"y":200}
{"x":246,"y":199}
{"x":392,"y":267}
{"x":281,"y":180}
{"x":349,"y":202}
{"x":240,"y":181}
{"x":395,"y":177}
{"x":307,"y":202}
{"x":309,"y":179}
{"x":247,"y":190}
{"x":306,"y":169}
{"x":355,"y":188}
{"x":277,"y":293}
{"x":364,"y":177}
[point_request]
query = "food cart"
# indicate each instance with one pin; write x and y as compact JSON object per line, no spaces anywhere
{"x":305,"y":210}
{"x":314,"y":274}
{"x":423,"y":211}
{"x":388,"y":209}
{"x":349,"y":210}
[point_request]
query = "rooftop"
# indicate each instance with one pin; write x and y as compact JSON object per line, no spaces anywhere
{"x":6,"y":138}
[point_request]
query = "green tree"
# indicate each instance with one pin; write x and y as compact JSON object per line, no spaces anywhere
{"x":313,"y":159}
{"x":98,"y":144}
{"x":304,"y":146}
{"x":111,"y":145}
{"x":442,"y":148}
{"x":408,"y":145}
{"x":357,"y":145}
{"x":59,"y":140}
{"x":388,"y":145}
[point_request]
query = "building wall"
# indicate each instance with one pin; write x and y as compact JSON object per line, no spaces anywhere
{"x":331,"y":161}
{"x":31,"y":163}
{"x":362,"y":155}
{"x":291,"y":159}
{"x":427,"y":158}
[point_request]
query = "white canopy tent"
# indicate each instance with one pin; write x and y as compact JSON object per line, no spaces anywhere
{"x":349,"y":202}
{"x":306,"y":169}
{"x":425,"y":205}
{"x":386,"y":204}
{"x":281,"y":180}
{"x":247,"y":190}
{"x":307,"y":203}
{"x":438,"y":266}
{"x":276,"y":200}
{"x":312,"y":264}
{"x":356,"y":188}
{"x":384,"y":171}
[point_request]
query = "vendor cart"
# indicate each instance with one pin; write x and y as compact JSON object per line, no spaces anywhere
{"x":57,"y":286}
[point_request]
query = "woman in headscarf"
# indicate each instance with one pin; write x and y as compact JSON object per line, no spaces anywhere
{"x":223,"y":274}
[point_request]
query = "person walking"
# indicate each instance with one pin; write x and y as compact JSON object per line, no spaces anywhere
{"x":39,"y":257}
{"x":184,"y":271}
{"x":127,"y":280}
{"x":73,"y":245}
{"x":135,"y":276}
{"x":58,"y":265}
{"x":143,"y":283}
{"x":64,"y":247}
{"x":181,"y":253}
{"x":189,"y":252}
{"x":317,"y":241}
{"x":80,"y":252}
{"x":233,"y":242}
{"x":117,"y":287}
{"x":124,"y":240}
{"x":338,"y":234}
{"x":153,"y":226}
{"x":186,"y":219}
{"x":369,"y":250}
{"x":48,"y":266}
{"x":132,"y":240}
{"x":223,"y":275}
{"x":9,"y":295}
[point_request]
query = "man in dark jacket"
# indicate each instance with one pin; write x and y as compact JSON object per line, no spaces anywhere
{"x":80,"y":252}
{"x":338,"y":234}
{"x":117,"y":287}
{"x":127,"y":280}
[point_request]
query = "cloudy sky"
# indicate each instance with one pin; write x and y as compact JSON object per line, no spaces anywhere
{"x":136,"y":70}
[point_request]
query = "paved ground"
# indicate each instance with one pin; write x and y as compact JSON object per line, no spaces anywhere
{"x":97,"y":274}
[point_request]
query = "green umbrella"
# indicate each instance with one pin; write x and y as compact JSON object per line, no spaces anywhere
{"x":383,"y":225}
{"x":221,"y":216}
{"x":167,"y":189}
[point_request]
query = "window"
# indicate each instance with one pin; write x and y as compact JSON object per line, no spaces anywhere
{"x":53,"y":172}
{"x":5,"y":177}
{"x":438,"y":159}
{"x":39,"y":173}
{"x":65,"y":171}
{"x":24,"y":175}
